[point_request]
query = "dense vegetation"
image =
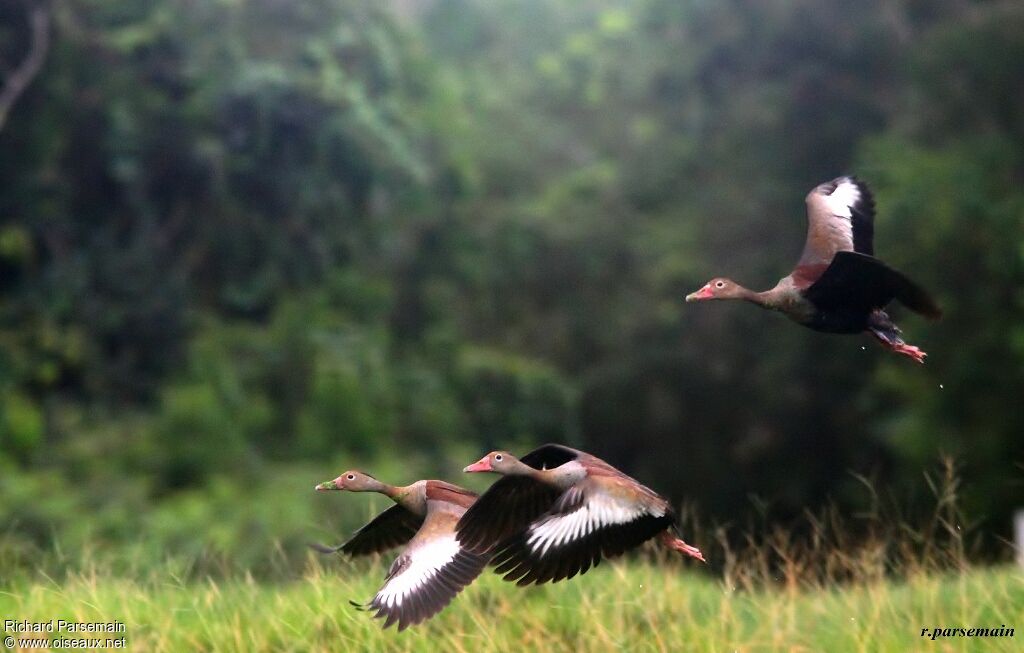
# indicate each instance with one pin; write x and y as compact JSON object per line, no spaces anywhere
{"x":246,"y":245}
{"x":623,"y":608}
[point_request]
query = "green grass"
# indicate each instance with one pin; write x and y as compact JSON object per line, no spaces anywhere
{"x":629,"y":606}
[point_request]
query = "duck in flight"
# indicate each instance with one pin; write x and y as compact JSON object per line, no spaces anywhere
{"x":838,"y":286}
{"x":433,"y":568}
{"x":556,"y":512}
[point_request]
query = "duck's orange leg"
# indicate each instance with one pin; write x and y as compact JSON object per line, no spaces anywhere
{"x":893,"y":342}
{"x":677,"y":544}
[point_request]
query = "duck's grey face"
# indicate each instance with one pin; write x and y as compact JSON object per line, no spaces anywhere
{"x":496,"y":461}
{"x":352,"y":480}
{"x":717,"y":288}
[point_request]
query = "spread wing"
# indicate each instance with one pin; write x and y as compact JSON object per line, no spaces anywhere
{"x":864,"y":283}
{"x":506,"y":508}
{"x":393,"y":527}
{"x":840,"y":218}
{"x":428,"y":574}
{"x":590,"y":521}
{"x":509,"y":505}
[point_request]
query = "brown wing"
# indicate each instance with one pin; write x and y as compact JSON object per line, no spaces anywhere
{"x":597,"y":518}
{"x":444,"y":491}
{"x":393,"y":527}
{"x":840,"y":218}
{"x":429,"y":573}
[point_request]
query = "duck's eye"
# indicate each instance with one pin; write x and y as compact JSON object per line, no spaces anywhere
{"x":498,"y":457}
{"x":351,"y":477}
{"x":720,"y":284}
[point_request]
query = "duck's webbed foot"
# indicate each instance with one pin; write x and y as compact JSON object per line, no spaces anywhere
{"x":891,"y":340}
{"x":677,"y":544}
{"x":910,"y":350}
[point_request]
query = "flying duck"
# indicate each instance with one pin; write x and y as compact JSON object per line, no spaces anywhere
{"x":838,"y":286}
{"x":558,"y":511}
{"x":434,"y":567}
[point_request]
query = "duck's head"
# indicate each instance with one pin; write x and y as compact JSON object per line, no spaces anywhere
{"x":500,"y":462}
{"x":717,"y":288}
{"x":353,"y":481}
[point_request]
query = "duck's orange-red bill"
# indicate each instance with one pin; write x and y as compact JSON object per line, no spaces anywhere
{"x":703,"y":293}
{"x":482,"y":465}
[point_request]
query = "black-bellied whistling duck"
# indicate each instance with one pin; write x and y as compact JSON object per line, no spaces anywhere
{"x":838,"y":285}
{"x":557,"y":511}
{"x":433,"y":568}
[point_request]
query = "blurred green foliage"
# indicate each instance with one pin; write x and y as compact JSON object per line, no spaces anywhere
{"x":247,"y":245}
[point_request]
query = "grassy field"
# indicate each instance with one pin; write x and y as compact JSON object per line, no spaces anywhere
{"x":629,"y":606}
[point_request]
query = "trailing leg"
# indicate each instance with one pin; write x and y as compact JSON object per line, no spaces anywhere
{"x":887,"y":333}
{"x":677,"y":544}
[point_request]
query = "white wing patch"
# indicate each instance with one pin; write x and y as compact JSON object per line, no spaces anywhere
{"x":843,"y":197}
{"x":596,"y":512}
{"x":424,"y":563}
{"x":838,"y":203}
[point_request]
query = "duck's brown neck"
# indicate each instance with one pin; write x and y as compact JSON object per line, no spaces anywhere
{"x":387,"y":490}
{"x":410,"y":497}
{"x":519,"y":468}
{"x":390,"y":491}
{"x":774,"y":299}
{"x":562,"y":476}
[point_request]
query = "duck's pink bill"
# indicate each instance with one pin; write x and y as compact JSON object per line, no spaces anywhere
{"x":482,"y":465}
{"x":703,"y":293}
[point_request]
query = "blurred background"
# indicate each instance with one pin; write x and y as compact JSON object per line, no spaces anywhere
{"x":248,"y":244}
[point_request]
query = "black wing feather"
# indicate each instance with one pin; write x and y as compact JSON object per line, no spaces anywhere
{"x":393,"y":527}
{"x":520,"y":563}
{"x":506,"y":508}
{"x":860,"y":282}
{"x":862,"y":217}
{"x":549,"y":456}
{"x":509,"y":505}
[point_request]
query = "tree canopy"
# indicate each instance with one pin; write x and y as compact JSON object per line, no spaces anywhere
{"x":240,"y":239}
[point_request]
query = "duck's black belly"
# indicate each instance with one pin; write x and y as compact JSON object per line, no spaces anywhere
{"x":838,"y":321}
